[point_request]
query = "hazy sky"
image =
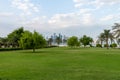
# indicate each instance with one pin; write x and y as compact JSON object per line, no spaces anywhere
{"x":68,"y":17}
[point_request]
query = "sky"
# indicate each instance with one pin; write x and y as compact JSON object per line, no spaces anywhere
{"x":68,"y":17}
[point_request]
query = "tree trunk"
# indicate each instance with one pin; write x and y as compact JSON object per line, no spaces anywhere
{"x":107,"y":43}
{"x":111,"y":41}
{"x":33,"y":50}
{"x":101,"y":44}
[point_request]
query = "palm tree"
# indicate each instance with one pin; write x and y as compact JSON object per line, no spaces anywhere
{"x":111,"y":38}
{"x":118,"y":41}
{"x":101,"y":38}
{"x":116,"y":31}
{"x":107,"y":36}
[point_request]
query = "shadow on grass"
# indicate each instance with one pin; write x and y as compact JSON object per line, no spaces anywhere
{"x":36,"y":52}
{"x":4,"y":79}
{"x":51,"y":50}
{"x":59,"y":50}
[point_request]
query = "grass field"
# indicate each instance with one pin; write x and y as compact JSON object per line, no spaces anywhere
{"x":61,"y":64}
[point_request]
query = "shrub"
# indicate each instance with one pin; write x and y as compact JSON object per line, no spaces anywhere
{"x":105,"y":45}
{"x":113,"y":45}
{"x":98,"y":45}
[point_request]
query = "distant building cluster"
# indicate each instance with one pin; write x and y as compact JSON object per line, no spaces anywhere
{"x":57,"y":40}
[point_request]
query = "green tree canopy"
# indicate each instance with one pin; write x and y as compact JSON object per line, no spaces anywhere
{"x":4,"y":41}
{"x":32,"y":40}
{"x":73,"y":41}
{"x":15,"y":36}
{"x":85,"y":40}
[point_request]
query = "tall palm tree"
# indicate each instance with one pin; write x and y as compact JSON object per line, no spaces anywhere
{"x":101,"y":39}
{"x":111,"y":38}
{"x":107,"y":36}
{"x":116,"y":31}
{"x":118,"y":41}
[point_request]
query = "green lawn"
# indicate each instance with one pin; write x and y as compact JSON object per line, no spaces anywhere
{"x":61,"y":64}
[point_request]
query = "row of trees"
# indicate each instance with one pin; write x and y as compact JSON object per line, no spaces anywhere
{"x":23,"y":39}
{"x":75,"y":42}
{"x":112,"y":36}
{"x":28,"y":40}
{"x":108,"y":38}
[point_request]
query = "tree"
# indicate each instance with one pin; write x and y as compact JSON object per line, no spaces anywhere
{"x":100,"y":39}
{"x":111,"y":38}
{"x":116,"y":32}
{"x":85,"y":40}
{"x":38,"y":41}
{"x":107,"y":36}
{"x":26,"y":41}
{"x":32,"y":40}
{"x":73,"y":41}
{"x":118,"y":41}
{"x":15,"y":36}
{"x":4,"y":42}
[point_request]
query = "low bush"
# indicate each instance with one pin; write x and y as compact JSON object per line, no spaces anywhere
{"x":105,"y":45}
{"x":98,"y":45}
{"x":113,"y":45}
